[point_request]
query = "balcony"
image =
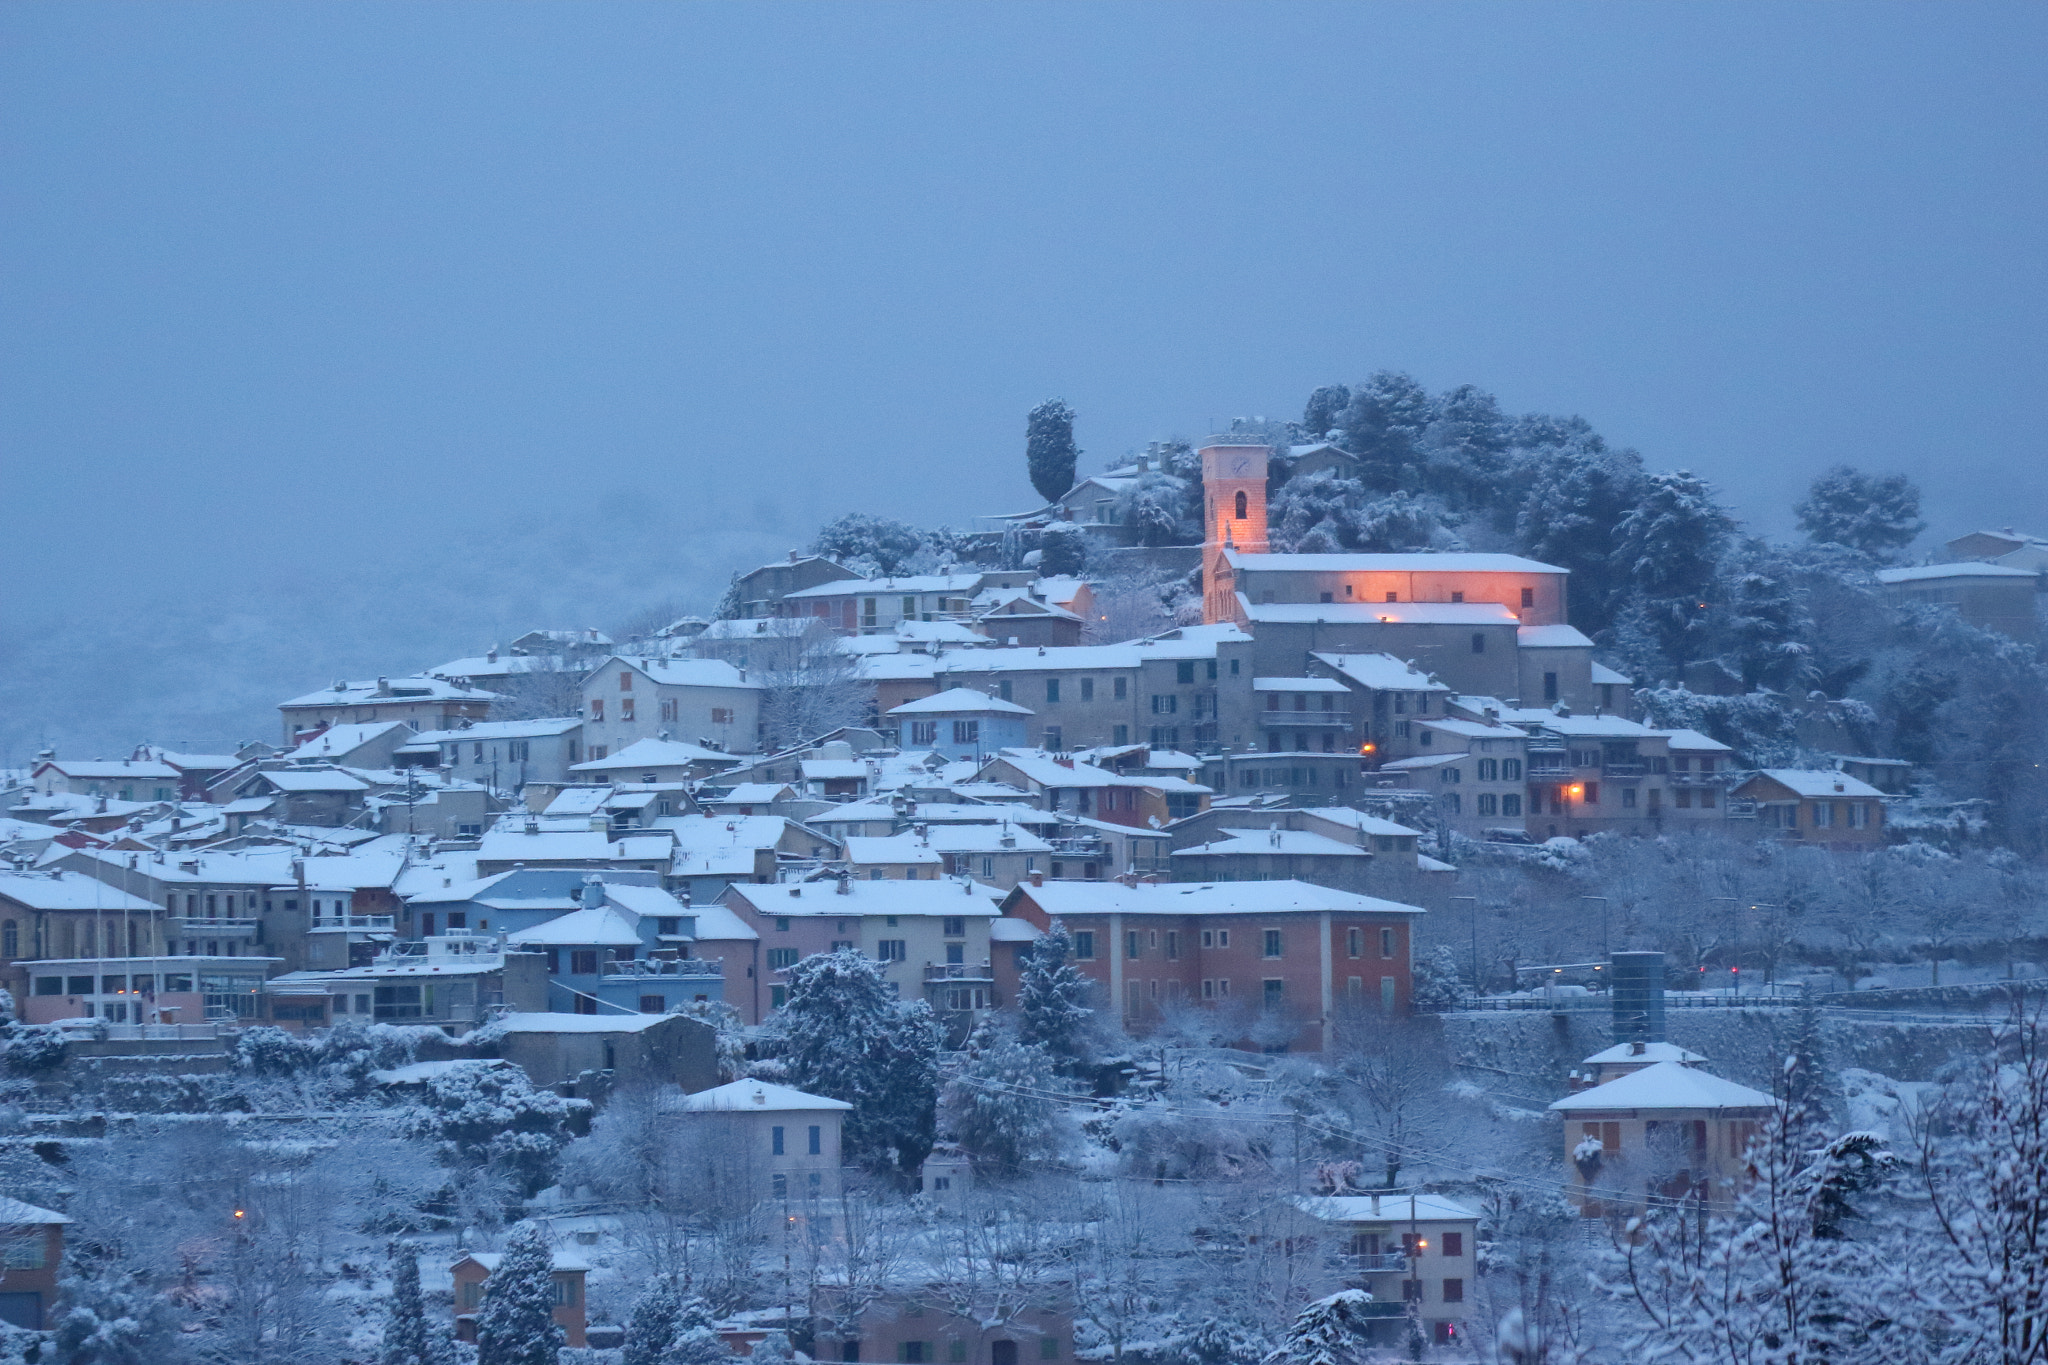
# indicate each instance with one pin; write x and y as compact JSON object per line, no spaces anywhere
{"x":649,"y":969}
{"x":957,"y":971}
{"x":1386,"y":1263}
{"x":376,"y":924}
{"x":218,"y":927}
{"x":1626,"y":769}
{"x":1546,"y":771}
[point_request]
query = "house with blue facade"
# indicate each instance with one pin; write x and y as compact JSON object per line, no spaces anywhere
{"x":961,"y":723}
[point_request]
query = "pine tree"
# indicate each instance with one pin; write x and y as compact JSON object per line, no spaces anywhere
{"x":1049,"y":450}
{"x":1382,"y":422}
{"x":1811,"y":1092}
{"x":112,"y":1317}
{"x":408,"y":1338}
{"x":655,"y":1324}
{"x":1003,"y":1105}
{"x":1218,"y":1341}
{"x":1330,"y":1331}
{"x":1325,"y":408}
{"x":729,"y":604}
{"x":845,"y":1036}
{"x":697,"y":1345}
{"x":1878,"y":516}
{"x":1671,"y":545}
{"x":516,"y":1323}
{"x":1050,"y":990}
{"x":1577,"y":496}
{"x":1062,"y":550}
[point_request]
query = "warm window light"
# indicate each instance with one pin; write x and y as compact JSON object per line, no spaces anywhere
{"x":1368,"y":748}
{"x":1577,"y":789}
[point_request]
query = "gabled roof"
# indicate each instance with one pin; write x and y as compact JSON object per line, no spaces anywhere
{"x":1819,"y":782}
{"x":67,"y":891}
{"x":960,"y":701}
{"x":327,"y":780}
{"x":1298,"y":685}
{"x":753,"y":1094}
{"x":398,"y":691}
{"x":1380,"y":672}
{"x":1692,"y":741}
{"x":1665,"y":1085}
{"x":1551,"y":637}
{"x":1603,"y":674}
{"x":891,"y":849}
{"x":1386,"y":1208}
{"x":686,"y":672}
{"x":503,"y":729}
{"x":336,"y":740}
{"x":601,"y":925}
{"x":1651,"y":1054}
{"x":126,"y":767}
{"x":827,"y":898}
{"x":654,"y":753}
{"x":1394,"y":563}
{"x":1291,"y":842}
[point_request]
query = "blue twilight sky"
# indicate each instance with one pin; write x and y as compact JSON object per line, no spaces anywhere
{"x":347,"y":338}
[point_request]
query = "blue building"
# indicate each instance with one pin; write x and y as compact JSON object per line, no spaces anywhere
{"x":961,"y":723}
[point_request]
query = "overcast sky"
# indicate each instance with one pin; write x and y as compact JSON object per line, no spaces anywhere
{"x":347,"y":338}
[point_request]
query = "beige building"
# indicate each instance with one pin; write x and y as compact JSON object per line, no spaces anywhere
{"x":2000,"y":597}
{"x":1420,"y":1249}
{"x":421,"y":703}
{"x":1668,"y":1130}
{"x":781,"y":1143}
{"x":704,"y":702}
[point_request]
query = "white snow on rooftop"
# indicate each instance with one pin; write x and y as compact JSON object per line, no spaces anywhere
{"x":1665,"y":1085}
{"x":761,"y":1095}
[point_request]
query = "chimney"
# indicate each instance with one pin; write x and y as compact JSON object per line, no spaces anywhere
{"x":491,"y":654}
{"x":383,"y":687}
{"x":593,"y":891}
{"x":1637,"y":1048}
{"x":532,"y":824}
{"x":845,"y":887}
{"x":1037,"y":878}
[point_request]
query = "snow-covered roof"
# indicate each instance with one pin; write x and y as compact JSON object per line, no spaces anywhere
{"x":653,"y":753}
{"x":544,"y":1022}
{"x":1386,"y":613}
{"x":1929,"y":572}
{"x":1385,"y":1208}
{"x":688,"y":672}
{"x":327,"y":781}
{"x":1692,"y":741}
{"x":515,"y":845}
{"x":984,"y":838}
{"x":893,"y":848}
{"x":418,"y":1073}
{"x":1188,"y":642}
{"x":931,"y":582}
{"x":600,"y":925}
{"x":1424,"y":761}
{"x":1820,"y":782}
{"x":1551,"y":637}
{"x":752,"y":793}
{"x":1298,"y":685}
{"x":754,"y":1094}
{"x":343,"y":739}
{"x":1651,"y":1054}
{"x":1473,"y":729}
{"x":1603,"y":674}
{"x":119,"y":768}
{"x":1380,"y":672}
{"x":15,"y":1214}
{"x":1287,"y":841}
{"x":702,"y":833}
{"x":1206,"y":898}
{"x":716,"y":924}
{"x":396,"y":691}
{"x":1394,"y":563}
{"x":1010,"y":929}
{"x":503,"y":729}
{"x":66,"y":891}
{"x":1665,"y":1085}
{"x":959,"y":701}
{"x":854,"y":896}
{"x":1359,"y":820}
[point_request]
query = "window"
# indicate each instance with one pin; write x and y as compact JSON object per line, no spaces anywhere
{"x":956,"y":1349}
{"x":721,"y":715}
{"x":1131,"y":947}
{"x":1592,"y":793}
{"x":597,"y":708}
{"x":1165,"y":703}
{"x":1048,"y":1348}
{"x":1052,"y":690}
{"x":1859,"y":818}
{"x":1489,"y":804}
{"x":1354,"y":942}
{"x":778,"y":1186}
{"x":924,"y":732}
{"x":668,"y":708}
{"x":10,"y":940}
{"x":583,"y":962}
{"x":1628,"y":798}
{"x":1120,"y":734}
{"x":1489,"y":770}
{"x":1272,"y":944}
{"x":1173,"y":945}
{"x":626,"y":681}
{"x":1454,"y":1291}
{"x":1222,"y":938}
{"x":1550,"y":687}
{"x":778,"y":996}
{"x":782,"y":924}
{"x":1184,"y":671}
{"x":1528,"y":597}
{"x":1511,"y":770}
{"x":1387,"y":943}
{"x":1706,"y":798}
{"x":814,"y":1143}
{"x":653,"y":1004}
{"x":954,"y":926}
{"x":1243,"y":506}
{"x":1275,"y":993}
{"x":625,"y":708}
{"x":1393,"y":597}
{"x":1387,"y":994}
{"x":967,"y":732}
{"x":775,"y":1140}
{"x":1454,"y":1244}
{"x":956,"y":954}
{"x":1053,"y":738}
{"x":890,"y":950}
{"x":910,"y":608}
{"x":781,"y":958}
{"x":1084,"y":946}
{"x":1453,"y":803}
{"x":1120,"y":689}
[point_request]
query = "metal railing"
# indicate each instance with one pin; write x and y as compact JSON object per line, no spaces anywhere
{"x":641,"y":969}
{"x":1626,"y":769}
{"x":384,"y":923}
{"x":1377,"y":1265}
{"x":194,"y":925}
{"x":956,"y":971}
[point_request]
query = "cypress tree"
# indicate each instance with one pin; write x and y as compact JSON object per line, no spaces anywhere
{"x":516,"y":1323}
{"x":1049,"y":995}
{"x":408,"y":1340}
{"x":1049,"y":450}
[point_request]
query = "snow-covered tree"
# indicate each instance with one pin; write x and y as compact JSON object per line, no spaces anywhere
{"x":493,"y":1118}
{"x":872,"y":545}
{"x":1670,"y":544}
{"x":810,"y":688}
{"x":1220,"y":1341}
{"x":1004,"y":1105}
{"x":1062,"y":550}
{"x":1879,"y":516}
{"x":1050,"y":454}
{"x":844,"y":1035}
{"x":1330,"y":1331}
{"x":1812,"y":1094}
{"x":1385,"y":417}
{"x":1576,"y":498}
{"x":408,"y":1337}
{"x":1315,"y":514}
{"x":1324,"y":410}
{"x":1438,"y":981}
{"x":112,"y":1315}
{"x":1050,"y":992}
{"x":660,"y":1316}
{"x":515,"y":1324}
{"x":1762,"y":631}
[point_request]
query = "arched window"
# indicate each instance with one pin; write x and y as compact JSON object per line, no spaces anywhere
{"x":1243,"y":506}
{"x":10,"y":940}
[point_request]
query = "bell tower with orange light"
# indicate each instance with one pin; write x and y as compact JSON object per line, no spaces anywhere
{"x":1233,"y":517}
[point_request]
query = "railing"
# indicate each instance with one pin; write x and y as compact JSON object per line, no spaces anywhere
{"x":641,"y":969}
{"x":956,"y":971}
{"x":191,"y":925}
{"x":1701,"y":779}
{"x":1377,"y":1265}
{"x":136,"y":1033}
{"x":1538,"y":771}
{"x":381,"y":923}
{"x":1626,"y":769}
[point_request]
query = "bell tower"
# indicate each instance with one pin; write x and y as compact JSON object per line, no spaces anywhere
{"x":1233,"y":517}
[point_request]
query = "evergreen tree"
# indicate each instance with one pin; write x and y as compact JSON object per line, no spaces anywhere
{"x":1050,"y":990}
{"x":1315,"y":515}
{"x":1062,"y":550}
{"x":516,"y":1323}
{"x":113,"y":1317}
{"x":1811,"y":1092}
{"x":1670,"y":544}
{"x":1763,"y":629}
{"x":697,"y":1345}
{"x":1576,"y":498}
{"x":1049,"y":450}
{"x":408,"y":1338}
{"x":1002,"y":1106}
{"x":656,"y":1322}
{"x":1219,"y":1341}
{"x":875,"y":545}
{"x":1878,"y":516}
{"x":1324,"y":411}
{"x":773,"y":1349}
{"x":1382,"y":422}
{"x":1465,"y":450}
{"x":729,"y":604}
{"x":1331,"y":1331}
{"x":845,"y":1036}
